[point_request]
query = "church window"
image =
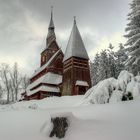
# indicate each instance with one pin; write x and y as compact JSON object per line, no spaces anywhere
{"x":43,"y":58}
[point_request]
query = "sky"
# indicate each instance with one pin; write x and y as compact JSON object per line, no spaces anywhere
{"x":24,"y":27}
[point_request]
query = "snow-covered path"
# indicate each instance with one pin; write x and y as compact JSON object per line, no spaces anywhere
{"x":99,"y":122}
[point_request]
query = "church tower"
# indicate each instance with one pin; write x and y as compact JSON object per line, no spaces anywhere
{"x":46,"y":81}
{"x":59,"y":74}
{"x":76,"y":72}
{"x":51,"y":44}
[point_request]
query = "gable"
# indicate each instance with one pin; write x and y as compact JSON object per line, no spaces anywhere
{"x":57,"y":62}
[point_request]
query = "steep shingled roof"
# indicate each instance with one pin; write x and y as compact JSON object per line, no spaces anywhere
{"x":75,"y":45}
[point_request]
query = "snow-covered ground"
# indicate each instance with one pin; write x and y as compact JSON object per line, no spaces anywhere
{"x":90,"y":118}
{"x":31,"y":120}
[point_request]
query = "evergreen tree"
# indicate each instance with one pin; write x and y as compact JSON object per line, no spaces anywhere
{"x":108,"y":64}
{"x":112,"y":62}
{"x":103,"y":66}
{"x":95,"y":70}
{"x":121,"y":57}
{"x":133,"y":35}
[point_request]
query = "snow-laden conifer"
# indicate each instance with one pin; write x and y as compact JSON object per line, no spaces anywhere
{"x":133,"y":35}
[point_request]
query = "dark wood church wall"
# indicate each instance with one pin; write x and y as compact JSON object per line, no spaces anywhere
{"x":67,"y":82}
{"x":57,"y":65}
{"x":49,"y":52}
{"x":75,"y":69}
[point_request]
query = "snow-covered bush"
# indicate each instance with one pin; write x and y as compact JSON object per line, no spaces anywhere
{"x":117,"y":96}
{"x":102,"y":91}
{"x":137,"y":78}
{"x":126,"y":87}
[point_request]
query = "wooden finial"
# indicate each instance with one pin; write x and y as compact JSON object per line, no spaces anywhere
{"x":74,"y":19}
{"x":51,"y":8}
{"x":51,"y":11}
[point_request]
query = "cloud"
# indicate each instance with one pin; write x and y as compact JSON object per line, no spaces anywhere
{"x":104,"y":42}
{"x":24,"y":24}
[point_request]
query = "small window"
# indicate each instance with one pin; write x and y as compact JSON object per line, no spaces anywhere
{"x":43,"y":58}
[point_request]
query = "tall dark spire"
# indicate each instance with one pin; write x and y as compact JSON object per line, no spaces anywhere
{"x":51,"y":33}
{"x":51,"y":25}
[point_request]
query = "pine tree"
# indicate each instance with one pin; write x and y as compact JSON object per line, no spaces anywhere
{"x":112,"y":62}
{"x":103,"y":66}
{"x":108,"y":64}
{"x":95,"y":70}
{"x":133,"y":35}
{"x":121,"y":57}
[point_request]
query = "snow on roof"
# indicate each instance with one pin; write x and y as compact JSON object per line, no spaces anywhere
{"x":75,"y":45}
{"x":81,"y":83}
{"x":49,"y":78}
{"x":46,"y":65}
{"x":50,"y":42}
{"x":44,"y":88}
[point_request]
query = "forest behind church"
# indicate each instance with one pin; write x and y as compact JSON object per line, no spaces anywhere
{"x":108,"y":63}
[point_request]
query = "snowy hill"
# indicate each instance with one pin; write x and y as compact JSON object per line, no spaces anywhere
{"x":89,"y":117}
{"x":99,"y":122}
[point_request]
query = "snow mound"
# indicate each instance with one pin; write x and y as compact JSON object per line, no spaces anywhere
{"x":116,"y":96}
{"x":126,"y":87}
{"x":137,"y":78}
{"x":101,"y":92}
{"x":46,"y":103}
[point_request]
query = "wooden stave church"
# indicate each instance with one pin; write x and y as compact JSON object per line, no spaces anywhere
{"x":60,"y":74}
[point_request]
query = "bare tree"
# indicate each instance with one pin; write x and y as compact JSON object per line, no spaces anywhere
{"x":12,"y":82}
{"x":12,"y":93}
{"x":15,"y":80}
{"x":25,"y":82}
{"x":1,"y":91}
{"x":5,"y":78}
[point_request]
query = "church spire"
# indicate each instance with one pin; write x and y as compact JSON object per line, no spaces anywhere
{"x":75,"y":46}
{"x":51,"y":21}
{"x":51,"y":30}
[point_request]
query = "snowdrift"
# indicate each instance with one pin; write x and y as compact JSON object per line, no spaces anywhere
{"x":31,"y":120}
{"x":126,"y":87}
{"x":100,"y":122}
{"x":46,"y":103}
